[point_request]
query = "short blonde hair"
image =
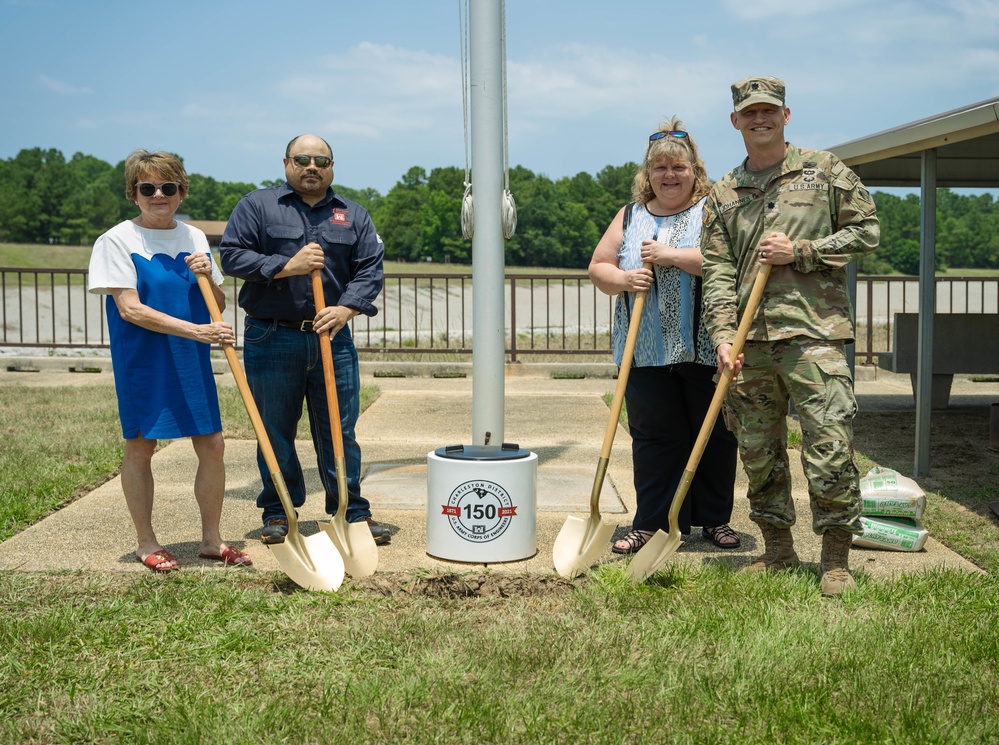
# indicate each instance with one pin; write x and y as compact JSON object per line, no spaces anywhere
{"x":142,"y":164}
{"x":681,"y":149}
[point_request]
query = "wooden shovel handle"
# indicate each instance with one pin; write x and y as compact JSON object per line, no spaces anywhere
{"x":237,"y":372}
{"x":752,"y":305}
{"x":329,"y":374}
{"x":625,"y":370}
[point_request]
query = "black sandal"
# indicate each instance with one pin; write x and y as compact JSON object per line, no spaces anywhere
{"x":633,"y":540}
{"x":718,"y":532}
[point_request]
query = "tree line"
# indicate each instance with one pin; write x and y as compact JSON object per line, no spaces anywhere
{"x":45,"y":198}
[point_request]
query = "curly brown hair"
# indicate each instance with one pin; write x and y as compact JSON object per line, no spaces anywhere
{"x":141,"y":165}
{"x":681,"y":149}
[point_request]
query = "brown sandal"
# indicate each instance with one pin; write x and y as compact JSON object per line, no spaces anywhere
{"x":632,"y":542}
{"x":721,"y":536}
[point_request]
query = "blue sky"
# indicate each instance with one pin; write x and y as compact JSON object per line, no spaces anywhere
{"x":226,"y":84}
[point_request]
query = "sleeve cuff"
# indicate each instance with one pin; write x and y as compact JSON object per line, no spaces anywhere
{"x":804,"y":256}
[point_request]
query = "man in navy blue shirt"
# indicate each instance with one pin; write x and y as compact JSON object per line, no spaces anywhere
{"x":274,"y":239}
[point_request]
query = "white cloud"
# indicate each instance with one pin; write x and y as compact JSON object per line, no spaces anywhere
{"x":61,"y":87}
{"x":785,"y":9}
{"x":979,"y":12}
{"x":373,"y":89}
{"x":575,"y":80}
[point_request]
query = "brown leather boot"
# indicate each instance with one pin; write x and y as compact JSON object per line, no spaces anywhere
{"x":779,"y":555}
{"x":835,"y":568}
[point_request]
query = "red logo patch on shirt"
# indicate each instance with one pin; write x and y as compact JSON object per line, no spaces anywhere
{"x":339,"y":217}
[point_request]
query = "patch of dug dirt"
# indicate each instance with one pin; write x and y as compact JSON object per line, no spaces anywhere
{"x":471,"y":585}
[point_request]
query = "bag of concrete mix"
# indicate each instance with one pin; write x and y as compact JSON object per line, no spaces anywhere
{"x":891,"y":533}
{"x":887,"y":493}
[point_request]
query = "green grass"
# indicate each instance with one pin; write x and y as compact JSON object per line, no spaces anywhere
{"x":57,"y":445}
{"x":60,"y":443}
{"x":702,"y":655}
{"x":41,"y":256}
{"x":31,"y":256}
{"x":696,"y":654}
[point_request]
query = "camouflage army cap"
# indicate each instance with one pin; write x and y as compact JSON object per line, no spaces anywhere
{"x":759,"y":89}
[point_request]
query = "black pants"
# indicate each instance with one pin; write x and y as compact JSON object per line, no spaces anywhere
{"x":666,"y":408}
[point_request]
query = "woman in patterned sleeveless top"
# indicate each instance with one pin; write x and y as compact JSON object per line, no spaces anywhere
{"x":671,"y":383}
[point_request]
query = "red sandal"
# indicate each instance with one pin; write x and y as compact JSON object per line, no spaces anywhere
{"x":232,"y":557}
{"x":158,"y":561}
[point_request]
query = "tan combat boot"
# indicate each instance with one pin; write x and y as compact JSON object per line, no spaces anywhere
{"x":779,"y":554}
{"x":835,"y":567}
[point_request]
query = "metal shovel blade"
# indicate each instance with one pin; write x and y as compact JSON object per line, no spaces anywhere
{"x":653,"y":555}
{"x":579,"y":543}
{"x":311,"y":561}
{"x":352,"y":541}
{"x":662,"y":545}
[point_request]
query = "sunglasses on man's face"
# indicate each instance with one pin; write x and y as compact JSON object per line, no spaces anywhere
{"x":321,"y":161}
{"x":678,"y":133}
{"x":169,"y":188}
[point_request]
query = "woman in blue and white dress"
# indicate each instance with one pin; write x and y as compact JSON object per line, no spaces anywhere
{"x":160,"y":332}
{"x":671,"y":382}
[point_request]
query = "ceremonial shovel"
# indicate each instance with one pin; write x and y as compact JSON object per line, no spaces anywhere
{"x":313,"y":561}
{"x":353,"y":540}
{"x":661,"y":545}
{"x":581,"y":540}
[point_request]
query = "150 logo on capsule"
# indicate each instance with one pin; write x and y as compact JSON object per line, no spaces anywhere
{"x":479,"y":511}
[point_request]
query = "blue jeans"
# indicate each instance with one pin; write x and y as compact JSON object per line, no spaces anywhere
{"x":284,"y":369}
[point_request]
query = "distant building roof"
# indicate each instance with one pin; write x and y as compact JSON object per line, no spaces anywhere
{"x":966,"y":141}
{"x":213,"y":229}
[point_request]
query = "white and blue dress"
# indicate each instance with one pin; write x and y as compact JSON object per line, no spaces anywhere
{"x":165,"y":385}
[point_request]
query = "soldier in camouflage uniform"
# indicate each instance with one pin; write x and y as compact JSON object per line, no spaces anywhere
{"x":807,"y":215}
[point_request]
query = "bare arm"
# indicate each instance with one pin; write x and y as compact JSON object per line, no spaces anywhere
{"x":687,"y":259}
{"x":604,"y":269}
{"x":133,"y":310}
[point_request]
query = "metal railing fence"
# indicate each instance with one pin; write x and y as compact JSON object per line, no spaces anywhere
{"x":557,"y":314}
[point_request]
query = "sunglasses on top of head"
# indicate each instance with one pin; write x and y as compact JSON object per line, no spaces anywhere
{"x":168,"y":188}
{"x":678,"y":133}
{"x":321,"y":161}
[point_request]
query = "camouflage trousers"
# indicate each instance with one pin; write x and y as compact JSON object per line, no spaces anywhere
{"x":814,"y":375}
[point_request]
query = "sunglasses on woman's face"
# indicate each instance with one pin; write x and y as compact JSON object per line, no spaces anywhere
{"x":321,"y":161}
{"x":168,"y":188}
{"x":678,"y":133}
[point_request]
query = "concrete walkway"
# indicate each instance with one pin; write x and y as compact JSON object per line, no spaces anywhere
{"x":561,"y":420}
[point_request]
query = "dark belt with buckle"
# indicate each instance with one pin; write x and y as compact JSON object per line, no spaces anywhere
{"x":300,"y":325}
